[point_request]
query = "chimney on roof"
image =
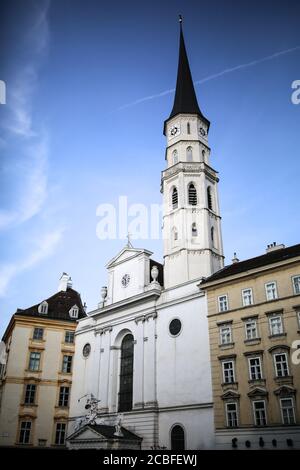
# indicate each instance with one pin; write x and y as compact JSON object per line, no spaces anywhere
{"x":65,"y":282}
{"x":273,"y":247}
{"x":235,"y":258}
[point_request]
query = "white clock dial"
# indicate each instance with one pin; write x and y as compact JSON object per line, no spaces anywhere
{"x":174,"y":130}
{"x":125,"y":280}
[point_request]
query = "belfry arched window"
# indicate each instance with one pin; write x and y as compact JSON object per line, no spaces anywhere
{"x":212,"y":234}
{"x":175,"y":157}
{"x":189,"y":154}
{"x":192,"y":194}
{"x":126,"y":374}
{"x":194,"y":230}
{"x":209,"y":198}
{"x":174,"y":198}
{"x":177,"y":438}
{"x":188,"y":128}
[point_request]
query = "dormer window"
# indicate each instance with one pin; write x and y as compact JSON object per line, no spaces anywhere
{"x":43,"y":308}
{"x":73,"y":312}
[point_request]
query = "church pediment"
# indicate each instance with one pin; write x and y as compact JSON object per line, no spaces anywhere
{"x":125,"y":254}
{"x":85,"y":433}
{"x":105,"y":435}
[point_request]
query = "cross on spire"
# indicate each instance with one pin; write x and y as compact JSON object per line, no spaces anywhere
{"x":129,"y":244}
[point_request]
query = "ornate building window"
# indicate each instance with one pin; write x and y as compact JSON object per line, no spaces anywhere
{"x":209,"y":198}
{"x":276,"y":324}
{"x":260,"y":414}
{"x":251,"y":329}
{"x":174,"y":198}
{"x":69,"y":337}
{"x":67,"y":364}
{"x":60,"y":434}
{"x":255,"y":369}
{"x":296,"y":284}
{"x":231,"y":414}
{"x":25,"y":430}
{"x":228,"y":372}
{"x":192,"y":194}
{"x":189,"y":154}
{"x":223,"y":303}
{"x":287,"y":407}
{"x":177,"y":438}
{"x":175,"y":157}
{"x":126,"y":373}
{"x":64,"y":393}
{"x":194,"y":230}
{"x":271,"y":290}
{"x":281,"y":364}
{"x":247,"y":297}
{"x":38,"y":334}
{"x":34,"y":361}
{"x":29,"y":398}
{"x":225,"y":335}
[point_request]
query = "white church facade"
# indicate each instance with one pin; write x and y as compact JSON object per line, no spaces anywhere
{"x":141,"y":375}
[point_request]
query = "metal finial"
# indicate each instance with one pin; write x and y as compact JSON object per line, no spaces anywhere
{"x":180,"y":19}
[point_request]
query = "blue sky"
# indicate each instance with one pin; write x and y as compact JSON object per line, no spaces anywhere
{"x":69,"y":142}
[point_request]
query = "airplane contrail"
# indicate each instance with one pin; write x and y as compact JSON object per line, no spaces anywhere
{"x":212,"y":77}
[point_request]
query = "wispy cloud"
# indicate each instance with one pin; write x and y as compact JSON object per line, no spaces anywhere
{"x":213,"y":76}
{"x":30,"y":142}
{"x":26,"y":145}
{"x":44,"y":248}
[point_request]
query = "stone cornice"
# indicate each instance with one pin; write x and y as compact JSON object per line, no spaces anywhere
{"x":190,"y":168}
{"x":123,"y":304}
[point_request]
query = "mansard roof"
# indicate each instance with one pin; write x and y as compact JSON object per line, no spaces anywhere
{"x":276,"y":256}
{"x":59,"y":306}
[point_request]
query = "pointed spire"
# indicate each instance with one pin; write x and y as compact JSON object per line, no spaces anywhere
{"x":185,"y":100}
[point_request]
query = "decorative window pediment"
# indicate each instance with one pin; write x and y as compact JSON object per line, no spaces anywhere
{"x":43,"y":308}
{"x":257,"y":393}
{"x":279,"y":348}
{"x":230,"y":395}
{"x":285,"y":391}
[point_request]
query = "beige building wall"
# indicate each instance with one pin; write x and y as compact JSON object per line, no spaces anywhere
{"x":45,"y":412}
{"x":270,"y":388}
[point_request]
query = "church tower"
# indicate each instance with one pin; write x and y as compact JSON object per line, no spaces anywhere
{"x":191,"y":218}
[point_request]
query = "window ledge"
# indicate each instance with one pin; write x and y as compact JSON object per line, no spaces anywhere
{"x":27,"y":405}
{"x":33,"y":371}
{"x":255,"y":382}
{"x":287,"y":379}
{"x":226,"y":346}
{"x":252,"y":341}
{"x":231,"y":386}
{"x":279,"y":335}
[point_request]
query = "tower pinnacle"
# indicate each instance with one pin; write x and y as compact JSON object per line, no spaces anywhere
{"x":185,"y":101}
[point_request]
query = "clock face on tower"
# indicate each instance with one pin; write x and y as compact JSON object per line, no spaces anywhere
{"x":202,"y":131}
{"x":125,"y":280}
{"x":174,"y":130}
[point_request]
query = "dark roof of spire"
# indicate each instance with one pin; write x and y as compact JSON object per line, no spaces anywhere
{"x":185,"y":100}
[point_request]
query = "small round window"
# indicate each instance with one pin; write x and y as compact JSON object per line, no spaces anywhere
{"x":175,"y":327}
{"x":86,"y":350}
